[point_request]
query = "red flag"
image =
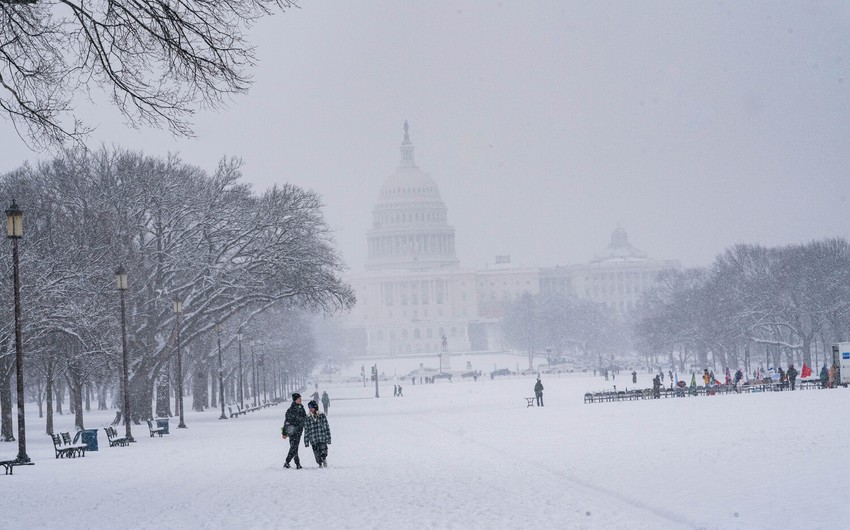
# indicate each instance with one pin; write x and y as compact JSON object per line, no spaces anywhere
{"x":806,"y":371}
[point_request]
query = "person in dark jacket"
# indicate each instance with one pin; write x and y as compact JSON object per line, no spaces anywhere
{"x":656,"y":387}
{"x":326,"y":401}
{"x":292,"y":429}
{"x":538,"y":392}
{"x":317,"y":433}
{"x":824,"y":377}
{"x":783,"y":379}
{"x":791,"y":374}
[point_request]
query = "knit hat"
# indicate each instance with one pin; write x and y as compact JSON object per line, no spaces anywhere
{"x":313,"y":405}
{"x":295,"y":396}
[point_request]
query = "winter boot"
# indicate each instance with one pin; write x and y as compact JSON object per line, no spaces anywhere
{"x":286,"y":465}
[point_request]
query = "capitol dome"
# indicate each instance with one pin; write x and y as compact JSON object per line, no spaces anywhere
{"x":409,"y":223}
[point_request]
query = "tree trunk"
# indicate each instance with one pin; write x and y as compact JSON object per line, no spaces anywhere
{"x":49,"y":398}
{"x":60,"y":396}
{"x":163,"y":397}
{"x":88,"y":397}
{"x":75,"y":388}
{"x":101,"y":396}
{"x":199,"y":386}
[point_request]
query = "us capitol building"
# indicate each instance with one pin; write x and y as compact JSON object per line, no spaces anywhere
{"x":414,"y":293}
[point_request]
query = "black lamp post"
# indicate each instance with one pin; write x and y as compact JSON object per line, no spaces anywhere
{"x":15,"y":231}
{"x":178,"y":308}
{"x":254,"y":372}
{"x":121,"y":284}
{"x":241,"y":396}
{"x":220,"y":373}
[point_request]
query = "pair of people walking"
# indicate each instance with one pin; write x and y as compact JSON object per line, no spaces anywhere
{"x":313,"y":425}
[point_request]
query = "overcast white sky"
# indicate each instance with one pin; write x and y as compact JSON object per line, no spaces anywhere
{"x":695,"y":124}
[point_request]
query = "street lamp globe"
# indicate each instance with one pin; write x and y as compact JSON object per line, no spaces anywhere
{"x":14,"y":221}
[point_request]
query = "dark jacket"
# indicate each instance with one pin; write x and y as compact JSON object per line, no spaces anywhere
{"x":295,"y":416}
{"x":316,"y":429}
{"x":325,"y":399}
{"x":792,"y":373}
{"x":538,"y":388}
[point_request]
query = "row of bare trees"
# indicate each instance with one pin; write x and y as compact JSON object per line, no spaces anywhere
{"x":564,"y":325}
{"x":753,"y":306}
{"x":230,"y":255}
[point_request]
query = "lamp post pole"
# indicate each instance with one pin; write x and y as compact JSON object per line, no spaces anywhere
{"x":220,"y":373}
{"x":254,"y":372}
{"x":121,"y":284}
{"x":241,"y":395}
{"x":178,"y":308}
{"x":15,"y":231}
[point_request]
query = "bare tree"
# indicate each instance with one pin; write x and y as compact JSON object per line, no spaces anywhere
{"x":157,"y":61}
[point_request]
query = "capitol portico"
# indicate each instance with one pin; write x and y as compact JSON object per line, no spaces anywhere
{"x":414,"y":292}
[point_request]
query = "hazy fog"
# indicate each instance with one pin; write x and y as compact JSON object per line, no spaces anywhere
{"x":695,"y":125}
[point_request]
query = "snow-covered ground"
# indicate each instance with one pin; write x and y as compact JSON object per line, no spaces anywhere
{"x":461,"y":455}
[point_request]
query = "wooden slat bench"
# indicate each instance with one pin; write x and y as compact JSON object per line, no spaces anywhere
{"x":65,"y":448}
{"x":9,"y":465}
{"x":155,"y":430}
{"x":114,"y":438}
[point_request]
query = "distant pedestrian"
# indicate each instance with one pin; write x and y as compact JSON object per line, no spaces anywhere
{"x":317,"y":433}
{"x":824,"y":377}
{"x":656,"y":387}
{"x":670,"y":373}
{"x":399,"y":391}
{"x":706,"y":377}
{"x":326,"y":401}
{"x":783,"y":379}
{"x":293,"y":427}
{"x":634,"y":377}
{"x":538,"y":392}
{"x":791,"y":374}
{"x":315,"y":396}
{"x":395,"y":390}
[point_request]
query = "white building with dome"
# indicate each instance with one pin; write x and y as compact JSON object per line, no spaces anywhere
{"x":413,"y":291}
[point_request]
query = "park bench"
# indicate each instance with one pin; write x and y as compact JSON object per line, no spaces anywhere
{"x":9,"y":465}
{"x":529,"y":402}
{"x":80,"y":448}
{"x":155,"y":430}
{"x":114,"y":438}
{"x":63,"y":447}
{"x":239,"y":410}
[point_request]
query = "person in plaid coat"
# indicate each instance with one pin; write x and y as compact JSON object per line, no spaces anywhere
{"x":318,"y":433}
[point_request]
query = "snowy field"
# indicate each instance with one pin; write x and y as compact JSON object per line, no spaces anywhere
{"x":461,"y":455}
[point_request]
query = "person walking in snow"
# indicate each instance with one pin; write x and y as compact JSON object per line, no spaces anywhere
{"x":317,"y":433}
{"x":783,"y":379}
{"x":326,"y":401}
{"x":791,"y":374}
{"x":824,"y":377}
{"x":538,"y":392}
{"x":634,"y":376}
{"x":315,"y":396}
{"x":395,"y":390}
{"x":656,"y":387}
{"x":399,"y":391}
{"x":293,"y":428}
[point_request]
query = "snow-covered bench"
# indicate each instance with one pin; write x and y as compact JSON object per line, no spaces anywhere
{"x":9,"y":465}
{"x":156,"y":430}
{"x":63,"y":446}
{"x":114,"y":438}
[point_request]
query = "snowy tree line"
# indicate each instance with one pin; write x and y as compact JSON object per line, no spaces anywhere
{"x":754,"y":306}
{"x":252,"y":262}
{"x":567,"y":325}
